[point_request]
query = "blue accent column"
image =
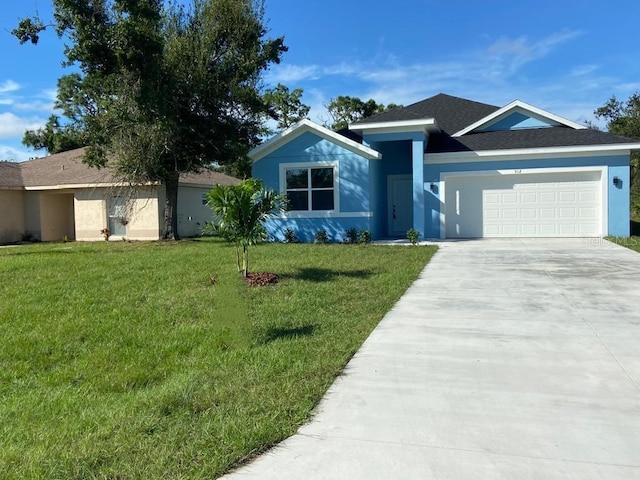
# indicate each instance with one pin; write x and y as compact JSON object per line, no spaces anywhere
{"x":417,"y":160}
{"x":619,"y":201}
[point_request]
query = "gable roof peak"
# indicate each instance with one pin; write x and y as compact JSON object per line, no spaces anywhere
{"x":519,"y":106}
{"x":306,"y":125}
{"x":451,"y":113}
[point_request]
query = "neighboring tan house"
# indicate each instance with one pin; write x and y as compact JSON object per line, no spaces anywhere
{"x":450,"y":168}
{"x":58,"y":197}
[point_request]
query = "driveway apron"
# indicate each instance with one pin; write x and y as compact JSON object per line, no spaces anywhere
{"x":506,"y":359}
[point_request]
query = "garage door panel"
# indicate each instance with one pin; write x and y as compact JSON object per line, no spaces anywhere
{"x":547,"y":197}
{"x":567,"y":197}
{"x":588,"y":196}
{"x":569,"y":213}
{"x":523,"y":205}
{"x":492,"y":214}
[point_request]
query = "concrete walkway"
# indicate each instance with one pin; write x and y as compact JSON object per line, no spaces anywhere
{"x":506,"y":359}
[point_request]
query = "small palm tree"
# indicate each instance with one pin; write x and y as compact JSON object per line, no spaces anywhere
{"x":241,"y":210}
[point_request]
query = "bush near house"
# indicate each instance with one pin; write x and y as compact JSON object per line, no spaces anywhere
{"x":127,"y":360}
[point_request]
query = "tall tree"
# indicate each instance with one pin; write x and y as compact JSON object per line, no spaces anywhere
{"x":623,"y":118}
{"x":286,"y":105}
{"x":162,"y":90}
{"x":55,"y":137}
{"x":344,"y":110}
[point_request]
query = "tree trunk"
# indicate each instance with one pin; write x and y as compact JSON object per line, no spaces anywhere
{"x":245,"y":260}
{"x":170,"y":231}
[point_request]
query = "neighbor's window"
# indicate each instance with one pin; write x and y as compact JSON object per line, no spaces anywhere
{"x":310,"y":188}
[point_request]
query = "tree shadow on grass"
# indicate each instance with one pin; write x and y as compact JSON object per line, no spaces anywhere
{"x":312,"y":274}
{"x":282,"y":333}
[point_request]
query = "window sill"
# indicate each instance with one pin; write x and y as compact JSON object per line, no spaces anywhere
{"x":323,"y":214}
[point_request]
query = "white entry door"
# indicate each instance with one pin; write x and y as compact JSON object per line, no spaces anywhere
{"x":400,"y":204}
{"x":564,"y":204}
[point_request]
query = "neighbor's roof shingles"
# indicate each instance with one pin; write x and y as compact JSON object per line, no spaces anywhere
{"x":62,"y":169}
{"x":10,"y":175}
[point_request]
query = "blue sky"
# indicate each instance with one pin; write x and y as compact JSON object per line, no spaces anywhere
{"x":565,"y":56}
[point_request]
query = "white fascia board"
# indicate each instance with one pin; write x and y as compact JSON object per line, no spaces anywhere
{"x":198,"y":185}
{"x":515,"y":106}
{"x":425,"y":125}
{"x":531,"y":153}
{"x":307,"y":125}
{"x":76,"y":186}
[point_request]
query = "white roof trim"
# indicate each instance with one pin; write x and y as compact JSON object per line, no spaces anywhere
{"x":513,"y":106}
{"x":574,"y":150}
{"x":307,"y":125}
{"x":77,"y":186}
{"x":419,"y":125}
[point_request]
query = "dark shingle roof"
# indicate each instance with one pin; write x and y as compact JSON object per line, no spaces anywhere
{"x":10,"y":175}
{"x":66,"y":168}
{"x":526,"y":138}
{"x":452,"y":113}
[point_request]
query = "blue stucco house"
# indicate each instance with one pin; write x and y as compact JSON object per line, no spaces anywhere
{"x":450,"y":168}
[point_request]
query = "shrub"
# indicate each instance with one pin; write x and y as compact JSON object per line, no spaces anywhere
{"x":413,"y":235}
{"x":241,"y":209}
{"x":27,"y":236}
{"x":321,"y":236}
{"x":364,"y":237}
{"x":290,"y":236}
{"x":351,"y":236}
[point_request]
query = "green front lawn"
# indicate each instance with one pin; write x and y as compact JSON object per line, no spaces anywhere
{"x":121,"y":360}
{"x":633,"y":242}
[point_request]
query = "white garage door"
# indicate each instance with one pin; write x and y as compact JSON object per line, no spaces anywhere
{"x":564,"y":204}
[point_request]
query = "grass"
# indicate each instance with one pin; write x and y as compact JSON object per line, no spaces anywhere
{"x":121,"y":360}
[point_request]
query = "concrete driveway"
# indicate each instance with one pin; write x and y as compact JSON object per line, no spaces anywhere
{"x":506,"y":359}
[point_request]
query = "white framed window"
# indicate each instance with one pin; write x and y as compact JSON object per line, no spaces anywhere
{"x":310,"y":187}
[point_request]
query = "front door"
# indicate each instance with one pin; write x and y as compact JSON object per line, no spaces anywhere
{"x":400,"y":204}
{"x":117,"y":213}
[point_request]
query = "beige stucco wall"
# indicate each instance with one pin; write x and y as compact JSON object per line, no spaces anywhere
{"x":91,"y":213}
{"x":11,"y":215}
{"x":57,"y":216}
{"x":32,"y":213}
{"x":143,"y":220}
{"x":192,"y":214}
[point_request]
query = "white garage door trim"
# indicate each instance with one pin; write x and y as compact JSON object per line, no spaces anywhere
{"x":604,"y":171}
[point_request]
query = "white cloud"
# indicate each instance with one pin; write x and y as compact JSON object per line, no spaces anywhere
{"x":14,"y":154}
{"x":13,"y":126}
{"x":491,"y":73}
{"x":583,"y":70}
{"x":292,"y":73}
{"x":33,"y":106}
{"x":9,"y":86}
{"x":506,"y":56}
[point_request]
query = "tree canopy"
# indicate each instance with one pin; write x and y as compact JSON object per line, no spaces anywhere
{"x":623,"y":118}
{"x":161,"y":90}
{"x":344,"y":110}
{"x":286,"y":105}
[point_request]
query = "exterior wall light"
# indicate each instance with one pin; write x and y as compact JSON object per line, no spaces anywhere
{"x":617,"y":182}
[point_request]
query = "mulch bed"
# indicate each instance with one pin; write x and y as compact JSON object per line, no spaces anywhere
{"x":260,"y":279}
